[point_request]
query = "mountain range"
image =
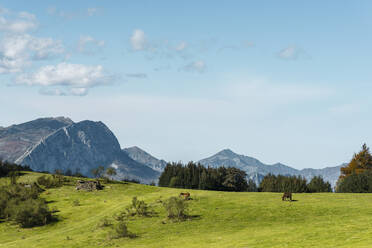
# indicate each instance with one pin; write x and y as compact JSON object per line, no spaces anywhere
{"x":256,"y":170}
{"x":47,"y":144}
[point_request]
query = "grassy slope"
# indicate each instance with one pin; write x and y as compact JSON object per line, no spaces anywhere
{"x":226,"y":220}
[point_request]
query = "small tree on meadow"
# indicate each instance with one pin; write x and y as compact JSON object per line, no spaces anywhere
{"x":98,"y":172}
{"x":111,"y":172}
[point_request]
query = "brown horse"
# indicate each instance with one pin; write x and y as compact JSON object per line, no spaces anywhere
{"x":185,"y":196}
{"x":287,"y":195}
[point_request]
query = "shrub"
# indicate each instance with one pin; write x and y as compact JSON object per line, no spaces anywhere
{"x":137,"y":208}
{"x":140,"y":207}
{"x":54,"y":181}
{"x":120,"y":230}
{"x":176,"y":208}
{"x":23,"y":205}
{"x":29,"y":213}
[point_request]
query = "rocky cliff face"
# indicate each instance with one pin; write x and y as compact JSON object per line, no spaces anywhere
{"x":17,"y":139}
{"x":145,"y":158}
{"x":256,"y":169}
{"x":82,"y":147}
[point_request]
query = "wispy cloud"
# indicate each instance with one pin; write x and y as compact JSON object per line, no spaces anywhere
{"x":91,"y":11}
{"x":196,"y":66}
{"x":89,"y":45}
{"x":293,"y":53}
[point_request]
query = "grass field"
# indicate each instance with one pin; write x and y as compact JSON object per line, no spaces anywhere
{"x":225,"y":220}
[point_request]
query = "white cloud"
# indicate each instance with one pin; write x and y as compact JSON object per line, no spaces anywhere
{"x":17,"y":22}
{"x":292,"y":53}
{"x":45,"y":47}
{"x":138,"y":40}
{"x":69,"y":75}
{"x":17,"y":50}
{"x":88,"y":44}
{"x":196,"y":66}
{"x":181,"y":46}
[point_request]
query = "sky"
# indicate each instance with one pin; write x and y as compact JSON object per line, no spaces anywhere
{"x":281,"y":81}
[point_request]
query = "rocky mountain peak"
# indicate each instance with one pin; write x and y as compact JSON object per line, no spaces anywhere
{"x":17,"y":139}
{"x":82,"y":147}
{"x":145,"y":158}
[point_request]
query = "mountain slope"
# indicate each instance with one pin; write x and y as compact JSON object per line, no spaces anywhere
{"x":248,"y":164}
{"x":145,"y":158}
{"x":82,"y":147}
{"x":255,"y":169}
{"x":17,"y":139}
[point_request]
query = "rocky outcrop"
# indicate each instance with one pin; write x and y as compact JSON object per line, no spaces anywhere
{"x":82,"y":147}
{"x":17,"y":139}
{"x":145,"y":158}
{"x":88,"y":185}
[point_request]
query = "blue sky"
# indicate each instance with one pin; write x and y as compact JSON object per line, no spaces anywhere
{"x":283,"y":81}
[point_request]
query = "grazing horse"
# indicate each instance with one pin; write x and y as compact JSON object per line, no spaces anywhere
{"x":185,"y":196}
{"x":287,"y":195}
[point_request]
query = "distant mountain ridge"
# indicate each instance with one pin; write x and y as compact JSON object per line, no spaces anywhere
{"x":145,"y":158}
{"x":47,"y":144}
{"x":255,"y":169}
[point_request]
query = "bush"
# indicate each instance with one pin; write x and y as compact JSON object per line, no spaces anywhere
{"x":176,"y":208}
{"x":137,"y":208}
{"x":121,"y":231}
{"x":140,"y":207}
{"x":23,"y":206}
{"x":53,"y":181}
{"x":29,"y":213}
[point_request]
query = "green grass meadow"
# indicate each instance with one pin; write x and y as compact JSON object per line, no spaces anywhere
{"x":221,"y":219}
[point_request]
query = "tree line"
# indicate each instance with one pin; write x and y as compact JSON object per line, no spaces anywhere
{"x":294,"y":184}
{"x":7,"y":168}
{"x":196,"y":176}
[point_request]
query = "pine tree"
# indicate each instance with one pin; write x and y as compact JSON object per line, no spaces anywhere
{"x":359,"y":163}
